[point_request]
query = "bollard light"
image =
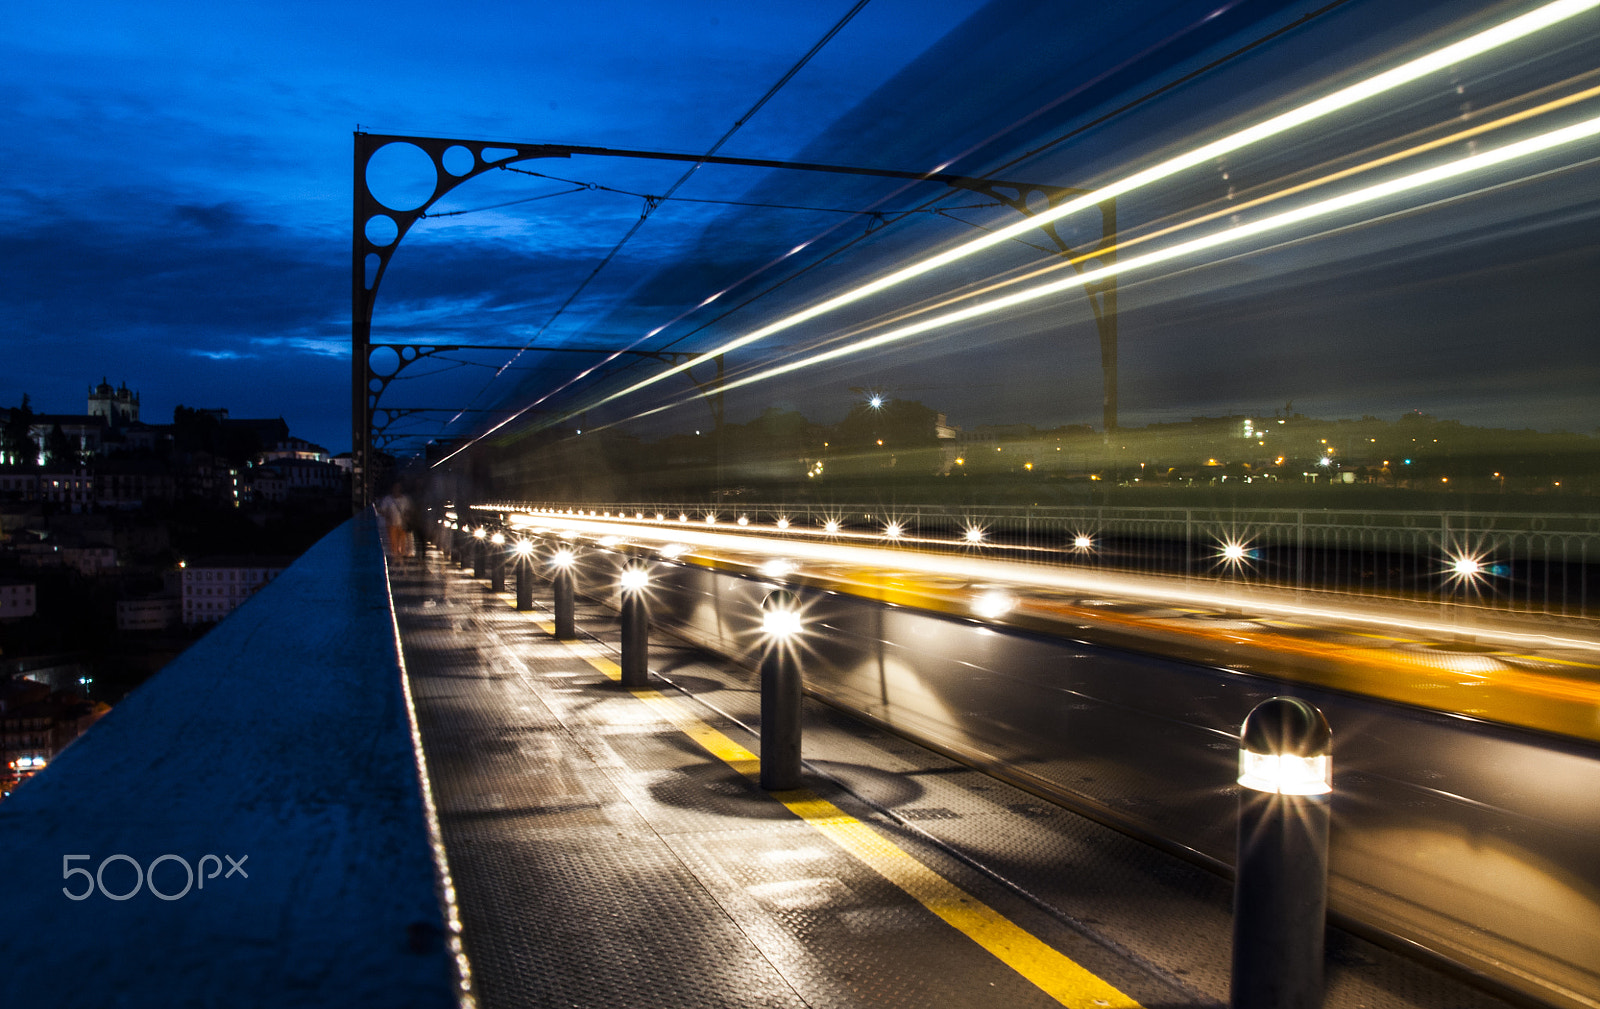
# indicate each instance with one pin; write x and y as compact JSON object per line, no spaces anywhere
{"x":1285,"y":748}
{"x":524,"y":552}
{"x":780,"y":692}
{"x":480,"y":533}
{"x":780,"y":622}
{"x":1280,"y":895}
{"x":565,"y":595}
{"x":497,"y":562}
{"x":634,"y":579}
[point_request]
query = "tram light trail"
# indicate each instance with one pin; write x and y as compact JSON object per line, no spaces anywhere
{"x":1348,"y":201}
{"x":871,"y":554}
{"x":1448,"y":56}
{"x":1451,"y":55}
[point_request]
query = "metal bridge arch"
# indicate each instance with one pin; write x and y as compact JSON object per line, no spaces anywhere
{"x":370,"y":259}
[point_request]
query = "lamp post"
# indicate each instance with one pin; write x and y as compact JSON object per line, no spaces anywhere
{"x":565,"y":594}
{"x":780,"y":692}
{"x":524,"y":552}
{"x":635,"y":627}
{"x":1280,"y":896}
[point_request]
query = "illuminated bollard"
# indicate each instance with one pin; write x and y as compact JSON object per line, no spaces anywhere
{"x":458,"y":544}
{"x":635,"y":627}
{"x":565,"y":595}
{"x":480,"y":546}
{"x":780,"y":693}
{"x":524,"y":554}
{"x":1280,"y":895}
{"x":497,"y":562}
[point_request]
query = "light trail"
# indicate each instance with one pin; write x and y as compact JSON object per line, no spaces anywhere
{"x":1145,"y":588}
{"x":1026,"y":273}
{"x":1475,"y":45}
{"x":1347,"y":201}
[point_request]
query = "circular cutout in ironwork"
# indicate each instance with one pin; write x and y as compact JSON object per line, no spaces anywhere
{"x":381,"y":230}
{"x":458,"y":161}
{"x":383,"y":361}
{"x":401,"y":176}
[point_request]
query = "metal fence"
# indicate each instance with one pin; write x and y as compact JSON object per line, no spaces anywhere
{"x":1544,"y":565}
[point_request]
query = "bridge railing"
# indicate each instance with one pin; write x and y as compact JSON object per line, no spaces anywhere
{"x":1527,"y":564}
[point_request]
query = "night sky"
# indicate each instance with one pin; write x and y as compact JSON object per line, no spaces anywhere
{"x":177,"y":207}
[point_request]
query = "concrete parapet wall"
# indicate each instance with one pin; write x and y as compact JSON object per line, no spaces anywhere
{"x":281,"y":739}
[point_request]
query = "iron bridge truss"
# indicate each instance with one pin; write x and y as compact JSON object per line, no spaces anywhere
{"x":372,"y":247}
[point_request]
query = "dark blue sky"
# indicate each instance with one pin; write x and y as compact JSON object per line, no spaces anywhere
{"x":177,"y":204}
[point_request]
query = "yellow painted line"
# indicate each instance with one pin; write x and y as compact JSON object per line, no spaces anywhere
{"x":1054,"y":973}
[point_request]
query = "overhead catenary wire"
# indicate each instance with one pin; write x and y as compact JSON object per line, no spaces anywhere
{"x":650,"y":206}
{"x":1073,"y":93}
{"x":595,"y":187}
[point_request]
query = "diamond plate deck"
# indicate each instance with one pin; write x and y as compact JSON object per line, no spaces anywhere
{"x":603,"y":858}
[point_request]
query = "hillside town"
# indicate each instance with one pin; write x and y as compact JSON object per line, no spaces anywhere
{"x":123,"y":540}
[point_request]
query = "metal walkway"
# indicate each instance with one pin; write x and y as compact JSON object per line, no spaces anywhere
{"x":610,"y":847}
